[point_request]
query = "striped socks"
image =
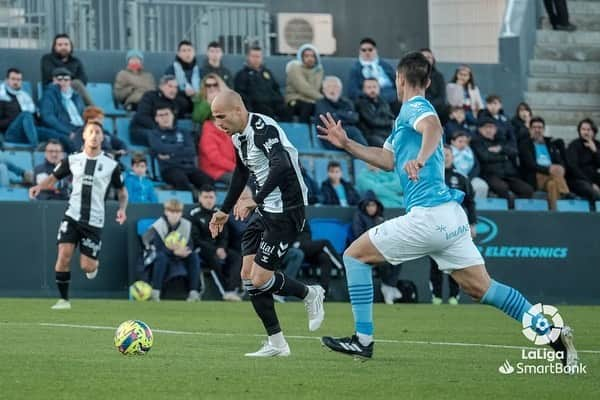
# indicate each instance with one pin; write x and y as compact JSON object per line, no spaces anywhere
{"x":507,"y":299}
{"x":360,"y":287}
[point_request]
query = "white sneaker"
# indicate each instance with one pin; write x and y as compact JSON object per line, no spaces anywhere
{"x":566,"y":336}
{"x":231,"y":296}
{"x":270,"y":350}
{"x":155,"y":296}
{"x":62,"y":304}
{"x":92,"y":275}
{"x":388,"y":293}
{"x":193,"y":296}
{"x":314,"y":307}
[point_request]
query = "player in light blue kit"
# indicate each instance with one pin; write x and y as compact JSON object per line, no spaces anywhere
{"x":435,"y":224}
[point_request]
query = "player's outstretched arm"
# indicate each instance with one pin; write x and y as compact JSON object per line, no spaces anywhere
{"x":123,"y":199}
{"x":336,"y":135}
{"x":46,"y":184}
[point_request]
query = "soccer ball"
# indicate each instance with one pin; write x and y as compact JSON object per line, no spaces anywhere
{"x":174,"y":239}
{"x":140,"y":291}
{"x":133,"y":338}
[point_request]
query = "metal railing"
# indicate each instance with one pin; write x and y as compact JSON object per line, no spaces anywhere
{"x":149,"y":25}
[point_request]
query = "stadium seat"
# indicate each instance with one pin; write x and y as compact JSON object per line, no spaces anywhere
{"x":598,"y":206}
{"x":109,"y":125}
{"x":298,"y":134}
{"x":573,"y":205}
{"x":491,"y":204}
{"x":221,"y":196}
{"x":144,"y":224}
{"x":14,"y":194}
{"x":26,"y":86}
{"x":125,"y":161}
{"x":124,"y":135}
{"x":321,"y":169}
{"x":22,"y":159}
{"x":40,"y":90}
{"x":18,"y":146}
{"x":335,"y":230}
{"x":38,"y":158}
{"x":182,"y":195}
{"x":531,"y":205}
{"x":102,"y":95}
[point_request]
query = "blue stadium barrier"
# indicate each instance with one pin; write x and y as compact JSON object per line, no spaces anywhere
{"x":144,"y":224}
{"x":298,"y":134}
{"x":18,"y":146}
{"x":182,"y":195}
{"x":531,"y":205}
{"x":491,"y":204}
{"x":14,"y":194}
{"x":108,"y":125}
{"x":573,"y":205}
{"x":221,"y":196}
{"x":102,"y":95}
{"x":22,"y":159}
{"x":336,"y":231}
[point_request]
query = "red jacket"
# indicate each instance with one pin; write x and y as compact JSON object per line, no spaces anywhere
{"x":216,"y":155}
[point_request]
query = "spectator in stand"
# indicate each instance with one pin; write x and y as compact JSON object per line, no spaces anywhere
{"x":17,"y":110}
{"x":368,"y":215}
{"x":558,"y":14}
{"x":139,"y":186}
{"x":455,"y":180}
{"x":61,"y":56}
{"x":467,"y":164}
{"x":143,"y":121}
{"x":376,"y":118}
{"x":214,"y":64}
{"x":583,"y":162}
{"x":340,"y":108}
{"x":174,"y":149}
{"x":520,"y":122}
{"x":111,"y":144}
{"x":463,"y":92}
{"x":369,"y":66}
{"x":211,"y":86}
{"x":259,"y":89}
{"x":53,"y":154}
{"x":493,"y":109}
{"x":187,"y":73}
{"x":337,"y":191}
{"x":496,"y":156}
{"x":436,"y":92}
{"x":542,"y":162}
{"x":132,"y":82}
{"x":456,"y":122}
{"x":303,"y":82}
{"x":216,"y":155}
{"x":170,"y":252}
{"x":216,"y":253}
{"x":61,"y":109}
{"x":385,"y":185}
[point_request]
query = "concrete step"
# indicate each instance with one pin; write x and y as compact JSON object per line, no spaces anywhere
{"x":583,"y":7}
{"x":564,"y":132}
{"x":567,"y":52}
{"x":579,"y":37}
{"x":577,"y":101}
{"x":542,"y":68}
{"x":584,"y":22}
{"x":573,"y":85}
{"x":564,"y":117}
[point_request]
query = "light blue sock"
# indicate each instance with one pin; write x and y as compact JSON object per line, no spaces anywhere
{"x":360,"y":287}
{"x":507,"y":299}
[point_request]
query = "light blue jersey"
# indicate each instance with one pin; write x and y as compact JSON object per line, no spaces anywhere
{"x":430,"y":189}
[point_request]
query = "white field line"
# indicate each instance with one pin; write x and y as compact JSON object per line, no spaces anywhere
{"x":421,"y":342}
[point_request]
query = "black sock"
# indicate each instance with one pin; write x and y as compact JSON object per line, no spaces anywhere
{"x":264,"y":305}
{"x":62,"y":281}
{"x":285,"y":286}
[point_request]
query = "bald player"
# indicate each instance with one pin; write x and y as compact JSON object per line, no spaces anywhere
{"x":277,"y":214}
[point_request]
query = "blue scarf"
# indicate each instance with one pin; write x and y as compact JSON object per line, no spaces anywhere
{"x":23,"y":98}
{"x":182,"y":79}
{"x":67,"y":100}
{"x":372,"y":69}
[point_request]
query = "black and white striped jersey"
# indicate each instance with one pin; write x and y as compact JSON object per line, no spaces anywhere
{"x":264,"y":149}
{"x":91,"y":179}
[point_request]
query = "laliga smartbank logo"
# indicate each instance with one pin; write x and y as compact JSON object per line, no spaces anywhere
{"x":539,"y":330}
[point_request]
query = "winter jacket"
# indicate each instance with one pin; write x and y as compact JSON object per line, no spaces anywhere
{"x":342,"y":110}
{"x":376,"y":118}
{"x":216,"y":155}
{"x":495,"y":164}
{"x":303,"y":83}
{"x":130,"y":86}
{"x":519,"y":128}
{"x":146,"y":110}
{"x":51,"y":61}
{"x":362,"y":222}
{"x":504,"y":128}
{"x":221,"y":71}
{"x":452,"y":126}
{"x":62,"y":189}
{"x":455,"y":94}
{"x":257,"y":87}
{"x":9,"y":111}
{"x":200,"y":218}
{"x":528,"y":164}
{"x":436,"y":92}
{"x":330,"y":195}
{"x":384,"y":184}
{"x":201,"y":110}
{"x":176,"y":143}
{"x":456,"y":180}
{"x":53,"y":113}
{"x":188,"y":70}
{"x":356,"y":78}
{"x":582,"y":163}
{"x":140,"y":189}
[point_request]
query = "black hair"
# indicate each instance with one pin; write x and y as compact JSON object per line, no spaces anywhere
{"x":537,"y":119}
{"x":333,"y":164}
{"x":367,"y":40}
{"x":61,"y":36}
{"x":53,"y":141}
{"x":207,"y":188}
{"x":457,"y":134}
{"x":214,"y":44}
{"x":416,"y":69}
{"x":471,"y":78}
{"x":587,"y":121}
{"x":254,"y":47}
{"x":492,"y":97}
{"x":13,"y":70}
{"x":184,"y":43}
{"x":525,"y":106}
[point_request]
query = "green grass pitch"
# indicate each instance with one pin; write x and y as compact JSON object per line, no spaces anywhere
{"x":427,"y":352}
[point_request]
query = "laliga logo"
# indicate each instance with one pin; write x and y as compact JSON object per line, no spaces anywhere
{"x":537,"y":328}
{"x":487,"y":230}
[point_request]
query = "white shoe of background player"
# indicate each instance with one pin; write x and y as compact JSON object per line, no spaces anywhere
{"x":270,"y":350}
{"x":62,"y":304}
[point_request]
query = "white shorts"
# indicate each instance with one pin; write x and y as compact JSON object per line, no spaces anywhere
{"x":441,"y":232}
